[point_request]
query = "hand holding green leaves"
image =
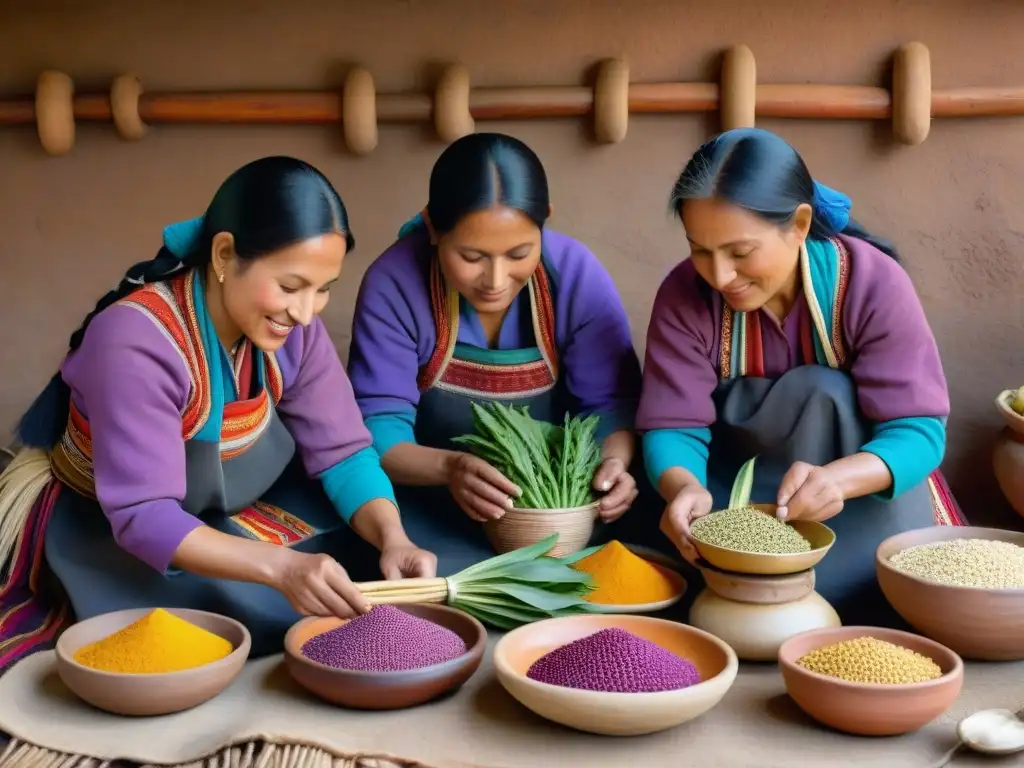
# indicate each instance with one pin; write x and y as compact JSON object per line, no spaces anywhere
{"x":618,"y":486}
{"x":479,"y":489}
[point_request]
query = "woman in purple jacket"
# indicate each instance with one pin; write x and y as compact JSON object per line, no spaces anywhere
{"x":158,"y":468}
{"x":793,"y":335}
{"x":479,"y":300}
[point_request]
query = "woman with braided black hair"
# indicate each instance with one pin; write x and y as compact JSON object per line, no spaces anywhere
{"x":158,"y":463}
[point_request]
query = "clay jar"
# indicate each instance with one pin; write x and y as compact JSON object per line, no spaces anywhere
{"x":1008,"y":455}
{"x":757,"y":614}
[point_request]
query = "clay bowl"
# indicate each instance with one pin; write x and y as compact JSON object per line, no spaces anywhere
{"x":614,"y":714}
{"x":386,"y":690}
{"x":520,"y":528}
{"x":1008,"y":453}
{"x":758,"y":590}
{"x":1014,"y":420}
{"x":149,"y":694}
{"x":820,"y":536}
{"x":868,"y":709}
{"x":662,"y":563}
{"x":985,"y":624}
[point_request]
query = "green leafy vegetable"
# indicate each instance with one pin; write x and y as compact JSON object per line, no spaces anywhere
{"x":505,"y":591}
{"x":553,"y":465}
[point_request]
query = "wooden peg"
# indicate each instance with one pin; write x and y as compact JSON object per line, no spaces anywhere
{"x":912,"y":94}
{"x":611,"y":101}
{"x":738,"y":97}
{"x":452,"y":119}
{"x":359,"y":112}
{"x":55,"y":112}
{"x":124,"y":107}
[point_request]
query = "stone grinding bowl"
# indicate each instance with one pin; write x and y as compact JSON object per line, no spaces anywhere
{"x":983,"y":624}
{"x":149,"y":694}
{"x":520,"y":528}
{"x":820,"y":536}
{"x":386,"y":690}
{"x":615,"y":714}
{"x":870,"y":709}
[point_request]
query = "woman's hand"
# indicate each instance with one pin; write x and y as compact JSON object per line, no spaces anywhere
{"x":620,"y":487}
{"x":808,"y":492}
{"x":405,"y":560}
{"x":479,"y":489}
{"x":691,"y":502}
{"x":317,"y":585}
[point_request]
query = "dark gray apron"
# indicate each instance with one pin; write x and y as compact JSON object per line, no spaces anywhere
{"x":98,"y":576}
{"x":811,"y":414}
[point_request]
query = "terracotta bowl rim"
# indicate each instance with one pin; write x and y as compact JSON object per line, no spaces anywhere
{"x":883,"y":563}
{"x":477,"y":648}
{"x":1003,"y":400}
{"x":957,"y":670}
{"x":241,"y":650}
{"x":730,"y":670}
{"x":703,"y":565}
{"x":554,"y":512}
{"x":775,"y":555}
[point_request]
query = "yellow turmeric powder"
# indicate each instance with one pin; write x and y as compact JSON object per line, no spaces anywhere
{"x":624,"y":578}
{"x":158,"y":642}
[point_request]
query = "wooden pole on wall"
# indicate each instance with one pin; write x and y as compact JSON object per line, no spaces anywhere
{"x":455,"y":106}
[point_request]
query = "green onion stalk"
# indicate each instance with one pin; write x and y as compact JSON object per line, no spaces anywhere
{"x":506,"y":591}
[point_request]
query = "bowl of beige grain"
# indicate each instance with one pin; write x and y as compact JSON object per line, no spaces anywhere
{"x":961,"y":586}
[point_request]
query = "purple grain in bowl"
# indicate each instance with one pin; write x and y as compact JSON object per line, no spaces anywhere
{"x":385,"y":640}
{"x":614,"y":661}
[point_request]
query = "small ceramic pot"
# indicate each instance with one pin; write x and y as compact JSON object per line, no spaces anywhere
{"x":761,"y":590}
{"x":1008,"y":454}
{"x":757,"y":630}
{"x":523,"y":527}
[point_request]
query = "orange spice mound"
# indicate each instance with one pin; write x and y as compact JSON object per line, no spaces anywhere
{"x":624,"y":578}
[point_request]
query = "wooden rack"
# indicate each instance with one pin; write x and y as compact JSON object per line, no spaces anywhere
{"x":454,"y":107}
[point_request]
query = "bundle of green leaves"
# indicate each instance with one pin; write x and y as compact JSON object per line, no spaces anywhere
{"x":505,"y":591}
{"x":552,"y":465}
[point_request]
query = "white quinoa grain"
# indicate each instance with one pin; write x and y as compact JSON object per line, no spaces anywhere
{"x":980,"y":563}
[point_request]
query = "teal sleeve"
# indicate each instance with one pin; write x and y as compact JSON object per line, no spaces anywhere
{"x":354,"y":481}
{"x":912,"y":448}
{"x":667,"y":448}
{"x":390,"y":429}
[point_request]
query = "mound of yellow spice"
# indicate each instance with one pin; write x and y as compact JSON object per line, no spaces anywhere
{"x":624,"y":578}
{"x":158,"y":642}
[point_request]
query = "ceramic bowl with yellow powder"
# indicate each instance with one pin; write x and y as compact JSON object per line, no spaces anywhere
{"x":627,"y":580}
{"x":151,"y":661}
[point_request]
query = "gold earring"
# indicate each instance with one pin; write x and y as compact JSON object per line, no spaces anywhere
{"x":220,"y":277}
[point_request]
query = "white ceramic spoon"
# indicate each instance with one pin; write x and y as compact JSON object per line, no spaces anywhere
{"x":992,"y":731}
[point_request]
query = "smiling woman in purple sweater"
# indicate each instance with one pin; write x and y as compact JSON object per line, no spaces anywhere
{"x":479,"y":300}
{"x":162,"y":452}
{"x":793,"y":335}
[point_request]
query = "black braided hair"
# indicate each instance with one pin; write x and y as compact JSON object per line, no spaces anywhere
{"x":266,"y":205}
{"x":762,"y":173}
